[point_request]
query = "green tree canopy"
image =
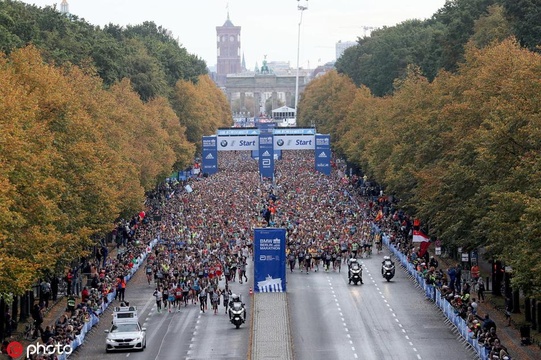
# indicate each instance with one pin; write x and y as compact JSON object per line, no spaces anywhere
{"x":461,"y":152}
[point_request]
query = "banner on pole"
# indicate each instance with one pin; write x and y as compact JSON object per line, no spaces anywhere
{"x":266,"y":156}
{"x":269,"y":260}
{"x":323,"y":154}
{"x":210,"y":155}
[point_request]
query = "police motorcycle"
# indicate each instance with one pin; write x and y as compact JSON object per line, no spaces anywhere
{"x":387,"y":268}
{"x":355,"y":272}
{"x":237,"y":311}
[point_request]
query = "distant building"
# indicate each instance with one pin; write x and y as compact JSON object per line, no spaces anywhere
{"x":342,"y":46}
{"x":64,"y":7}
{"x":280,"y":67}
{"x":322,"y":69}
{"x":228,"y":46}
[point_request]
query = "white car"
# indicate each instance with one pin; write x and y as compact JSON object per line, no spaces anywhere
{"x":125,"y":336}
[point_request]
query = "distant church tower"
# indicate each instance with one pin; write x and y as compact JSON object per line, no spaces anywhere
{"x":228,"y":46}
{"x":64,"y":7}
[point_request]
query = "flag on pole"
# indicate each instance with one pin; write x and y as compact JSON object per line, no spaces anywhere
{"x":419,"y":236}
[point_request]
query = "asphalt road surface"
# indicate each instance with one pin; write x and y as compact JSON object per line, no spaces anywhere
{"x":185,"y":334}
{"x":330,"y":319}
{"x":377,"y":320}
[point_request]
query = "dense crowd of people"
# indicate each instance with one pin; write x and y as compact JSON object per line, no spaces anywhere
{"x":103,"y":276}
{"x":204,"y":228}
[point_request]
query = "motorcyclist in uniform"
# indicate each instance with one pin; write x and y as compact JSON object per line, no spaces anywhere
{"x":354,"y":265}
{"x":236,"y":299}
{"x":386,"y":263}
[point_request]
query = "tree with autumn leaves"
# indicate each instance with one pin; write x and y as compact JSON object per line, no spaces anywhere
{"x":75,"y":156}
{"x":462,"y":152}
{"x":202,"y":108}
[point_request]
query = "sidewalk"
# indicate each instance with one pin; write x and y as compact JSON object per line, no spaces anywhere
{"x":509,"y":335}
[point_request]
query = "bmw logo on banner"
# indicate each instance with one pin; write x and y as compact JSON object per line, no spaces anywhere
{"x":323,"y":153}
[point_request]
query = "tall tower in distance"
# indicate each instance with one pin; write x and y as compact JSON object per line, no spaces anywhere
{"x":228,"y":48}
{"x":64,"y":7}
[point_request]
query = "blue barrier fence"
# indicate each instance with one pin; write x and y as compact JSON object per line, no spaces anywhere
{"x":94,"y":319}
{"x":433,"y":293}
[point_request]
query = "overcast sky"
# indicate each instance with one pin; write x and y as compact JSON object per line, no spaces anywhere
{"x":268,"y":27}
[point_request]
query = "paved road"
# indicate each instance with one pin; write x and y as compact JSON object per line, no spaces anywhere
{"x":187,"y":334}
{"x":329,"y":320}
{"x":378,"y":320}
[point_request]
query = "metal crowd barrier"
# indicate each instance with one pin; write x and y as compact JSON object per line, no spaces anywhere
{"x":94,"y":319}
{"x":433,"y":293}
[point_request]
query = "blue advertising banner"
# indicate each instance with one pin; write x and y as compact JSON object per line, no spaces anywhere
{"x":294,"y":131}
{"x":237,"y":132}
{"x":210,"y":155}
{"x":277,"y":154}
{"x":266,"y":127}
{"x":323,"y":153}
{"x":266,"y":156}
{"x":269,"y":260}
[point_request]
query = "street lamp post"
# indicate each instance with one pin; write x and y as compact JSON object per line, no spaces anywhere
{"x":301,"y":8}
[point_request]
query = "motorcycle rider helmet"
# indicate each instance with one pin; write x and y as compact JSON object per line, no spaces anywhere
{"x":235,"y":298}
{"x":386,"y":257}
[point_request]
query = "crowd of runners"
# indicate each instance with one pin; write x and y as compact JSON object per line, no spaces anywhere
{"x":204,"y":226}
